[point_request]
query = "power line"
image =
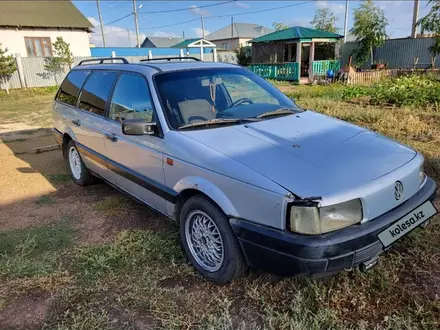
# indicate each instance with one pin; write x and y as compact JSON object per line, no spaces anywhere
{"x":119,"y":19}
{"x":261,"y":10}
{"x":156,"y":27}
{"x":187,"y":8}
{"x":228,"y":15}
{"x":219,"y":16}
{"x":162,"y":26}
{"x":168,"y":11}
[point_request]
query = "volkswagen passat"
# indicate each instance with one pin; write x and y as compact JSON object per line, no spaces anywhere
{"x":251,"y":178}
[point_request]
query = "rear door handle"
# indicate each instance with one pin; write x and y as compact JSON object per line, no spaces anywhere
{"x":112,"y":137}
{"x":76,"y":122}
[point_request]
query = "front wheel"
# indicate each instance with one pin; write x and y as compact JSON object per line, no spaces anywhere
{"x":209,"y":241}
{"x":78,"y":170}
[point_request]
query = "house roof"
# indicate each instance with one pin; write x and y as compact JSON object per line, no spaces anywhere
{"x":241,"y":30}
{"x":194,"y":42}
{"x":162,"y":42}
{"x":296,"y":32}
{"x":44,"y":14}
{"x":185,"y":43}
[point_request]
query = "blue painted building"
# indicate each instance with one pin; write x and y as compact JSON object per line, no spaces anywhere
{"x":131,"y":51}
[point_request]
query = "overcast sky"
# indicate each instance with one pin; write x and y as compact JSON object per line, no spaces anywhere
{"x":299,"y":12}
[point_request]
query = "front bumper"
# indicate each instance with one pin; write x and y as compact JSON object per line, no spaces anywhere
{"x":289,"y":254}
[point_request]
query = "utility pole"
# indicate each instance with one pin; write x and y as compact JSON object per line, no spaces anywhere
{"x":346,"y":21}
{"x":100,"y":22}
{"x":129,"y":41}
{"x":136,"y":23}
{"x":415,"y":19}
{"x":232,"y":32}
{"x":203,"y":27}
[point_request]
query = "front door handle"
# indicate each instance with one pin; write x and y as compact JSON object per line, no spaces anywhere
{"x":76,"y":122}
{"x":112,"y":137}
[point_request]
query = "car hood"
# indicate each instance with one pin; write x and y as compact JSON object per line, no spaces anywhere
{"x":309,"y":154}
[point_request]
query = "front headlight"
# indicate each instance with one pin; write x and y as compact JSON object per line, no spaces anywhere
{"x":313,"y":220}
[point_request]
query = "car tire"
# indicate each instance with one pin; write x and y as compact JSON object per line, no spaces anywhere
{"x":209,"y":241}
{"x":78,"y":169}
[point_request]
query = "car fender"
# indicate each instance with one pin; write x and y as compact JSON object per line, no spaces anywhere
{"x":69,"y":131}
{"x":210,"y":190}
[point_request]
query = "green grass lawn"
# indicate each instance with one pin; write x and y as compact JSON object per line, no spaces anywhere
{"x":139,"y":279}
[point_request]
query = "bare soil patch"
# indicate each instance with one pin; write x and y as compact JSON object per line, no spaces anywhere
{"x":27,"y":312}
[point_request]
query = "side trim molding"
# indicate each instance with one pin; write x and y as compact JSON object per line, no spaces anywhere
{"x":155,"y":187}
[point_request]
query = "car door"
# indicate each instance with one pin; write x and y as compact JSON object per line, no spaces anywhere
{"x":136,"y":161}
{"x":89,"y":122}
{"x":65,"y":111}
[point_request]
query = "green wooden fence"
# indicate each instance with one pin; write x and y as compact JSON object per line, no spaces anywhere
{"x":320,"y":68}
{"x":281,"y":71}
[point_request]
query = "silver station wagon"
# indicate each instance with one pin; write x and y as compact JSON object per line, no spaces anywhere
{"x":251,"y":178}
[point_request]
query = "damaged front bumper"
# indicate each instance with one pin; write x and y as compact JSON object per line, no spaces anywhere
{"x":289,"y":254}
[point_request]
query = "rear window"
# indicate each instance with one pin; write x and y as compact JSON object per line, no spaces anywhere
{"x":69,"y":90}
{"x":96,"y":91}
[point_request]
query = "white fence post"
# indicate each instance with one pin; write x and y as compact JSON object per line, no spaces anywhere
{"x":113,"y":55}
{"x":150,"y":54}
{"x":181,"y":53}
{"x":20,"y":70}
{"x":214,"y":53}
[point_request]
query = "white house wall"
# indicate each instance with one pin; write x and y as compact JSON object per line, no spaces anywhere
{"x":237,"y":42}
{"x":13,"y":39}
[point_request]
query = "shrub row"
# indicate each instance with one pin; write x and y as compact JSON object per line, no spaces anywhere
{"x":415,"y":91}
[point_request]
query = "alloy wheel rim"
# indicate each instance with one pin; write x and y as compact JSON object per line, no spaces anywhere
{"x":75,"y":163}
{"x":204,"y":240}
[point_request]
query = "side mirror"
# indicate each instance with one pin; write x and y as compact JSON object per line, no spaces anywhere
{"x":138,"y":127}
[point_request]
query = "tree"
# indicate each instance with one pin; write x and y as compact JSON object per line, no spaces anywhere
{"x":278,"y":26}
{"x":370,"y":30}
{"x":7,"y":68}
{"x":243,"y":55}
{"x":325,"y":20}
{"x":63,"y":58}
{"x":431,"y":23}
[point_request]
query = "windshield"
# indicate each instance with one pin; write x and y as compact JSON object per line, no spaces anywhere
{"x":195,"y":96}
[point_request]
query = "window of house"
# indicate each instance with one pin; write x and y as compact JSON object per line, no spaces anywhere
{"x":71,"y":86}
{"x":38,"y":46}
{"x":96,"y":92}
{"x":131,"y":99}
{"x":224,"y":45}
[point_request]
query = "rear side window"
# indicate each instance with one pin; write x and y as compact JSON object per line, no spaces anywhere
{"x":131,"y":99}
{"x":96,"y":91}
{"x":71,"y":86}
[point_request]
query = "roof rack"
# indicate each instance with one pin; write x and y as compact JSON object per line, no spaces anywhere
{"x":101,"y":60}
{"x":169,"y":59}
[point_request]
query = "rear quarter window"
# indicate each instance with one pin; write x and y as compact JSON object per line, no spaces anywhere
{"x":69,"y":89}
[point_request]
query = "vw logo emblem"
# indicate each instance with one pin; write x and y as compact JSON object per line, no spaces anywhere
{"x":398,"y":190}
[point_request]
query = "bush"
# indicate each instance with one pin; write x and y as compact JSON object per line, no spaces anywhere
{"x":407,"y":91}
{"x":416,"y":91}
{"x":244,"y":55}
{"x":350,"y":93}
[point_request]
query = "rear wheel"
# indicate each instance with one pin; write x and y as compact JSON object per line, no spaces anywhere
{"x":78,"y":169}
{"x":209,"y":241}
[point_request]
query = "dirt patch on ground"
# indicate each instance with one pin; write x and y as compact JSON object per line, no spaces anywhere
{"x":40,"y":192}
{"x":9,"y":131}
{"x":27,"y":312}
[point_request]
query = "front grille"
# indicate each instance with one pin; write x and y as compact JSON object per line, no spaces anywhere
{"x":367,"y":253}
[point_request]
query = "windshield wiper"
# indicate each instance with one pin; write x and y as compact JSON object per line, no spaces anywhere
{"x":277,"y":112}
{"x":220,"y":121}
